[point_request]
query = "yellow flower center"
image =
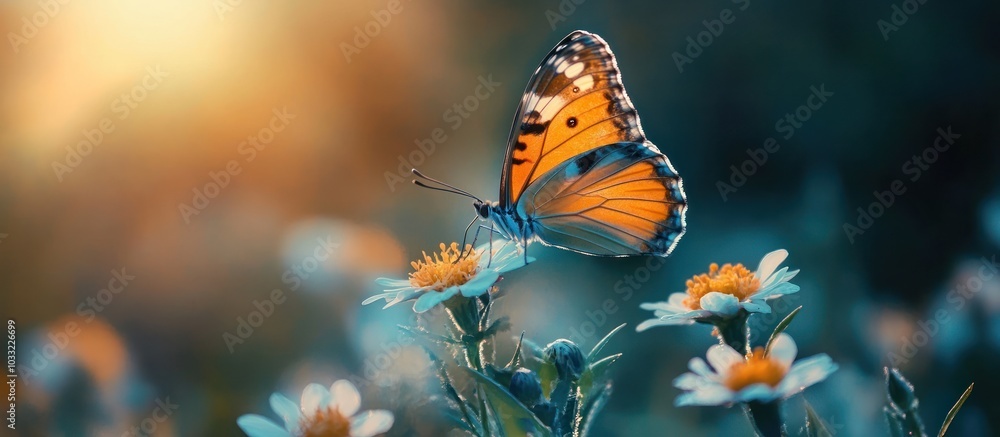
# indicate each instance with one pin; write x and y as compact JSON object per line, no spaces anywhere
{"x":730,"y":279}
{"x":756,"y":369}
{"x":446,"y":269}
{"x":326,"y":422}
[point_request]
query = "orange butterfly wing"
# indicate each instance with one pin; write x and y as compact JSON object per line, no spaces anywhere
{"x":575,"y":102}
{"x":621,"y":199}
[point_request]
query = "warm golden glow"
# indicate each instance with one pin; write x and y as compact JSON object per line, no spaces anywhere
{"x":731,"y":279}
{"x":446,"y":269}
{"x":758,"y":368}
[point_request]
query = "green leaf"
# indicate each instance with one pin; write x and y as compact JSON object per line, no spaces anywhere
{"x":517,"y":354}
{"x":452,"y":417}
{"x":594,"y":404}
{"x":592,"y":356}
{"x":533,"y":357}
{"x":514,"y":417}
{"x":420,"y":332}
{"x":903,"y":402}
{"x":531,"y":351}
{"x":548,"y":376}
{"x":453,"y":394}
{"x":815,"y":427}
{"x":893,"y":421}
{"x":596,"y":371}
{"x":484,"y":414}
{"x":901,"y":393}
{"x":954,"y":410}
{"x":780,"y":328}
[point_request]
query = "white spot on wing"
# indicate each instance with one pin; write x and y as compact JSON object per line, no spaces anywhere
{"x":547,"y":107}
{"x":574,"y":70}
{"x":584,"y":82}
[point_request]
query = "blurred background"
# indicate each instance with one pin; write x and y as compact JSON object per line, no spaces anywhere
{"x":166,"y":165}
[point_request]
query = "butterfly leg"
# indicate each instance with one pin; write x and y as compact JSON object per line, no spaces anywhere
{"x":491,"y":246}
{"x":493,"y":229}
{"x":525,"y":247}
{"x":466,"y":238}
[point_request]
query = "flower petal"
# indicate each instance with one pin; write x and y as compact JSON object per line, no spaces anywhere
{"x":722,"y":304}
{"x":805,"y":373}
{"x":670,"y":321}
{"x":774,"y":278}
{"x":700,"y":367}
{"x":769,"y":263}
{"x":691,"y":381}
{"x":394,"y":283}
{"x":715,"y":394}
{"x":775,"y":291}
{"x":757,"y":392}
{"x":722,"y":357}
{"x":314,"y":397}
{"x":288,"y":411}
{"x":403,"y":296}
{"x":345,"y":397}
{"x":431,"y":298}
{"x":480,"y":283}
{"x":653,"y":306}
{"x":387,"y":296}
{"x":783,"y":349}
{"x":370,"y":423}
{"x":674,"y":304}
{"x":756,"y":306}
{"x":259,"y":426}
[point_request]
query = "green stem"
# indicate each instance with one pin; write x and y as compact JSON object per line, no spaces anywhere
{"x":735,"y":332}
{"x":484,"y":415}
{"x":473,"y":357}
{"x":464,"y":313}
{"x":765,"y":417}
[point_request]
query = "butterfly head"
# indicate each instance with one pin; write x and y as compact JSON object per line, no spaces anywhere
{"x":483,"y":209}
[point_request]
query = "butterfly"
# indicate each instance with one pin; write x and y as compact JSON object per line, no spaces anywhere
{"x":579,"y":173}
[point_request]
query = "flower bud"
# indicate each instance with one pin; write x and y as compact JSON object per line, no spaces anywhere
{"x":526,"y":387}
{"x":900,"y":390}
{"x":546,"y":412}
{"x":567,"y":358}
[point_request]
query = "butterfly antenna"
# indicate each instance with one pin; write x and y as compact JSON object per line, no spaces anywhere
{"x":448,"y":188}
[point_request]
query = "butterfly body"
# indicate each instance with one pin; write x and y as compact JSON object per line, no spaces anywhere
{"x":579,"y":173}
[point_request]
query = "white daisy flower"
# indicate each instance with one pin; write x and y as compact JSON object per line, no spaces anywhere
{"x":448,"y":273}
{"x":723,"y":292}
{"x":760,"y":376}
{"x":323,"y":413}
